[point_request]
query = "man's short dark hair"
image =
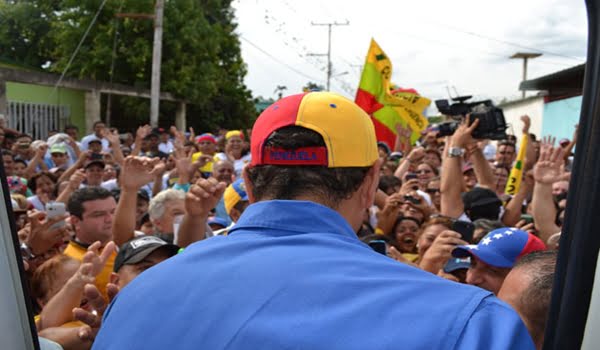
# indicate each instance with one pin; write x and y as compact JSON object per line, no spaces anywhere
{"x":71,"y":126}
{"x":388,"y":182}
{"x":82,"y":195}
{"x":97,"y":122}
{"x":7,"y":152}
{"x":535,"y":300}
{"x":330,"y":185}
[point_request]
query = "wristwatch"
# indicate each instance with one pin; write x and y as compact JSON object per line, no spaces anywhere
{"x":456,"y":152}
{"x":26,"y":252}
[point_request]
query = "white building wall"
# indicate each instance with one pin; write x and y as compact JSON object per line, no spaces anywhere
{"x":531,"y":106}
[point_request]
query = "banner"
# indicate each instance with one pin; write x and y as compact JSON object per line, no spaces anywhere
{"x":516,"y":173}
{"x":389,"y":108}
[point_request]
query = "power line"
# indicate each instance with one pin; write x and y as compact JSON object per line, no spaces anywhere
{"x":509,"y":42}
{"x":279,"y":61}
{"x":77,"y":48}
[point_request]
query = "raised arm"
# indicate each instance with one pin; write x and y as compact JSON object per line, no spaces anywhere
{"x":483,"y":170}
{"x":115,"y":145}
{"x":59,"y":309}
{"x":38,"y":159}
{"x":202,"y":197}
{"x":451,"y":182}
{"x":136,"y":172}
{"x":74,"y":183}
{"x":546,"y":172}
{"x":141,"y":133}
{"x":413,"y":157}
{"x":73,"y":168}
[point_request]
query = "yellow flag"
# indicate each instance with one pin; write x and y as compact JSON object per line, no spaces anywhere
{"x":516,"y":173}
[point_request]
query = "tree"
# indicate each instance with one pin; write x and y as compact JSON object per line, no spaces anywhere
{"x":23,"y":31}
{"x":201,"y":60}
{"x":310,"y":86}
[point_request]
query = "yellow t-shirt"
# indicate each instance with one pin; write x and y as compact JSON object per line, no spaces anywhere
{"x":208,"y":167}
{"x":76,"y":251}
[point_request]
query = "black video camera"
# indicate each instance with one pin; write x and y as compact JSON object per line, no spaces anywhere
{"x":492,"y":124}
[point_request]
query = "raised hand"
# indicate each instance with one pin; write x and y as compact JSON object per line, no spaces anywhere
{"x":203,"y":196}
{"x":548,"y":169}
{"x":416,"y":154}
{"x":138,"y":171}
{"x":526,"y":123}
{"x":441,"y":250}
{"x":97,"y":259}
{"x":142,"y":132}
{"x":40,"y":236}
{"x":112,"y":137}
{"x":463,"y":135}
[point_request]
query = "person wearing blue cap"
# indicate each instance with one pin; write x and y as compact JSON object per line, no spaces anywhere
{"x":292,"y":274}
{"x":495,"y":255}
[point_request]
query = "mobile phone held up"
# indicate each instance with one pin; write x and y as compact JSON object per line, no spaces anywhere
{"x":465,"y":228}
{"x":55,"y":209}
{"x":378,"y":246}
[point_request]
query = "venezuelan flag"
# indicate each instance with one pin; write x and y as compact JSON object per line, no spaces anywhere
{"x":388,"y":107}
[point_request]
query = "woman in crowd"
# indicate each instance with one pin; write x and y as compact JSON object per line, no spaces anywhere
{"x":43,"y":185}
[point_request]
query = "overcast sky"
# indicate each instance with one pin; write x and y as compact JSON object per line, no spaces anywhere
{"x":433,"y":44}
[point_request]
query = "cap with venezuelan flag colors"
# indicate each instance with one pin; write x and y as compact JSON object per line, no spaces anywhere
{"x":501,"y":247}
{"x":234,"y":193}
{"x":346,"y":129}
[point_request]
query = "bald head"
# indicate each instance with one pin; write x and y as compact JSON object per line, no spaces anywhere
{"x":223,"y":171}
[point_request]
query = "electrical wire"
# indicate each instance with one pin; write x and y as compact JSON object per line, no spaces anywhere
{"x":77,"y":48}
{"x":279,"y":61}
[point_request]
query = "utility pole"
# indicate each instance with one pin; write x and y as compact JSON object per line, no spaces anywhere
{"x":156,"y":62}
{"x":328,"y":54}
{"x":525,"y":56}
{"x":156,"y":55}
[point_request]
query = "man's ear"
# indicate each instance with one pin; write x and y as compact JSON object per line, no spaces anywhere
{"x":370,"y":184}
{"x":249,"y":185}
{"x":114,"y":278}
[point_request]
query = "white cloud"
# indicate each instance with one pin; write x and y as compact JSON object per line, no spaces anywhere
{"x":432,"y":44}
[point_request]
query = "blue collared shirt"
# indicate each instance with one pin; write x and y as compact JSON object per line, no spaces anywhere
{"x":293,"y":275}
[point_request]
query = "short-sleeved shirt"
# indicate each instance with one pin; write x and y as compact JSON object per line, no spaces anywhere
{"x":293,"y":275}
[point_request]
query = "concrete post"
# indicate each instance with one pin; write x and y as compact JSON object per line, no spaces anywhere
{"x":180,"y":122}
{"x":92,"y":109}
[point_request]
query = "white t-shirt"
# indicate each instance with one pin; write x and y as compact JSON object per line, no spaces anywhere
{"x":166,"y":147}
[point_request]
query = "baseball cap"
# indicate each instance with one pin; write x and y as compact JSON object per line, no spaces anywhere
{"x":501,"y":247}
{"x":95,"y":139}
{"x":217,"y":221}
{"x":206,"y":137}
{"x":457,"y":264}
{"x":384,"y":146}
{"x":395,"y":155}
{"x":346,"y":129}
{"x":92,"y":162}
{"x":479,"y":196}
{"x":234,"y":193}
{"x":58,"y":148}
{"x":138,"y":249}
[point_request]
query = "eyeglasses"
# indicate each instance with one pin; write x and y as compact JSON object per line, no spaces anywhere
{"x":432,"y":190}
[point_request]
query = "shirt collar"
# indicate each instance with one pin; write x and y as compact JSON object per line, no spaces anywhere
{"x":291,"y":216}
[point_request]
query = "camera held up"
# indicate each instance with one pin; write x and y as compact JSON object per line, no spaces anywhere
{"x":492,"y":124}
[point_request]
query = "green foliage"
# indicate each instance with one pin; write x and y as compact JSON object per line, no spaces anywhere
{"x":201,"y":56}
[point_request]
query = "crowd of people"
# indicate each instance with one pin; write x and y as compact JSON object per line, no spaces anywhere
{"x":221,"y":214}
